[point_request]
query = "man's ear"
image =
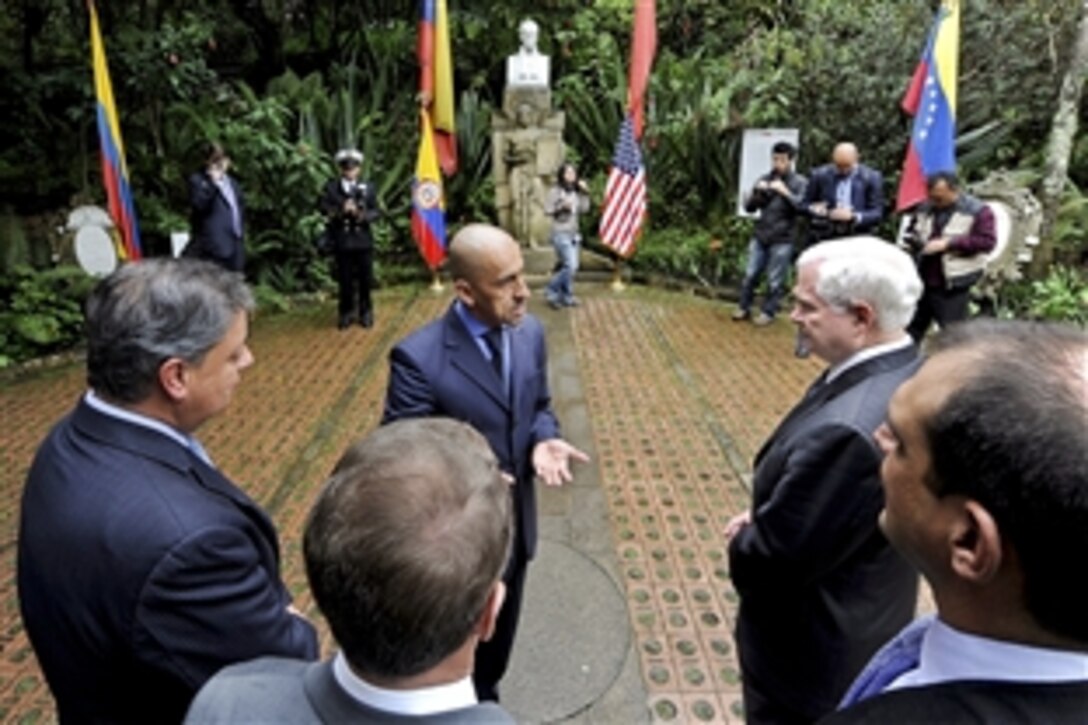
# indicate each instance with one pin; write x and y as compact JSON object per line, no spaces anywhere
{"x":173,"y":378}
{"x":463,"y":290}
{"x":864,"y":314}
{"x":975,"y":540}
{"x":485,"y":628}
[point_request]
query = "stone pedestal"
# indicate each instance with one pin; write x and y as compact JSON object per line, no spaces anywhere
{"x":526,"y":151}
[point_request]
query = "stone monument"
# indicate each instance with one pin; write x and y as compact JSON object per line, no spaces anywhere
{"x":526,"y":142}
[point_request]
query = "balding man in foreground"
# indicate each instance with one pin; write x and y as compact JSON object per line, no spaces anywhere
{"x":407,"y":610}
{"x":485,"y":362}
{"x":986,"y":483}
{"x":820,"y":587}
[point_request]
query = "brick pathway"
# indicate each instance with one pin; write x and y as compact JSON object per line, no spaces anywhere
{"x":679,"y":400}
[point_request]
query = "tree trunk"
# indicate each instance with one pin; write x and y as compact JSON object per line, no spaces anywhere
{"x":1062,"y":135}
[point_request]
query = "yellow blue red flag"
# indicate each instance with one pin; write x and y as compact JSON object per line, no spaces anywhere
{"x":931,"y":99}
{"x":436,"y":80}
{"x":114,"y":169}
{"x":428,"y":204}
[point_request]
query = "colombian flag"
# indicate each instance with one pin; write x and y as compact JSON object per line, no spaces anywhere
{"x":436,"y":80}
{"x":931,"y":99}
{"x":428,"y":206}
{"x":114,"y":170}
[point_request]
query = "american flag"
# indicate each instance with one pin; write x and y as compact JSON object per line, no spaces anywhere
{"x":625,"y":194}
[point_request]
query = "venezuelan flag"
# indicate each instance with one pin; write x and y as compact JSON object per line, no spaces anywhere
{"x":114,"y":170}
{"x":436,"y":80}
{"x":428,"y":204}
{"x":931,"y":99}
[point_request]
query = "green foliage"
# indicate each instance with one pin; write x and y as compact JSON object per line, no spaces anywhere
{"x":41,"y":311}
{"x":1070,"y":230}
{"x":693,"y":254}
{"x":1062,"y":295}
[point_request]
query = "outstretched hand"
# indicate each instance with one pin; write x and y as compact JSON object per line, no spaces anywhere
{"x":551,"y":460}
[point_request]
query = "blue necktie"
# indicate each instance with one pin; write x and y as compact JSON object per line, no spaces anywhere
{"x":900,"y":655}
{"x":494,"y":340}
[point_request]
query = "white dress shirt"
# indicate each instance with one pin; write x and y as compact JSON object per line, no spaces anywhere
{"x":424,"y":701}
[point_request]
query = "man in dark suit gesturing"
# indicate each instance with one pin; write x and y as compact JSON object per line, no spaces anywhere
{"x":142,"y":570}
{"x":485,"y":362}
{"x":820,"y":587}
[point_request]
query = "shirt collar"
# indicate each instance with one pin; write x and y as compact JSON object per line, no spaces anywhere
{"x":475,"y":327}
{"x":868,"y":353}
{"x":424,"y":701}
{"x":949,"y":654}
{"x":139,"y":419}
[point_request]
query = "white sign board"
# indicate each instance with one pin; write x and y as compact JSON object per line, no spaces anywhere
{"x":755,"y":157}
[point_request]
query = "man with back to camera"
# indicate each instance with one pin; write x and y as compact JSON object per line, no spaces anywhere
{"x":951,"y":233}
{"x":404,"y":552}
{"x":777,"y":197}
{"x":485,"y":362}
{"x":985,"y":478}
{"x":142,"y":569}
{"x":820,"y":587}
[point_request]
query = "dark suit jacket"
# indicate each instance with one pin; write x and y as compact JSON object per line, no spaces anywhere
{"x":275,"y":690}
{"x":821,"y":589}
{"x":142,"y":571}
{"x":866,"y":196}
{"x":211,"y":223}
{"x":992,"y":703}
{"x":439,"y":371}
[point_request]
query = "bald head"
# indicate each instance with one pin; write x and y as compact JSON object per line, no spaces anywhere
{"x":488,"y":274}
{"x":845,"y":156}
{"x":473,"y":246}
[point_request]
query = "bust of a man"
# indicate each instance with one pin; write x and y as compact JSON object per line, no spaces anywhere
{"x":528,"y":67}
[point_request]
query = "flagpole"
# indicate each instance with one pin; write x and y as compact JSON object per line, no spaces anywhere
{"x":617,"y":275}
{"x":436,"y":282}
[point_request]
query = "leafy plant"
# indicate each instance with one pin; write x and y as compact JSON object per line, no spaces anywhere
{"x":42,"y":311}
{"x":1062,"y":295}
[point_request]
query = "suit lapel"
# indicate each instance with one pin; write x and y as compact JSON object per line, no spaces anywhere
{"x":150,"y":444}
{"x":466,"y":357}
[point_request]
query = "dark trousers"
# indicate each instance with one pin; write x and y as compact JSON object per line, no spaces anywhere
{"x":493,"y":655}
{"x":943,"y":306}
{"x":354,"y":274}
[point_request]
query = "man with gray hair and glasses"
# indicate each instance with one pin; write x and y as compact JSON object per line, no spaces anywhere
{"x":142,"y":570}
{"x":820,"y":587}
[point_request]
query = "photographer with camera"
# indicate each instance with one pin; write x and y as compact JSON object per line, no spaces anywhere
{"x":350,"y":205}
{"x":568,"y":199}
{"x":950,"y":235}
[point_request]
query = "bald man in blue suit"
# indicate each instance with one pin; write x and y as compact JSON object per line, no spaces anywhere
{"x":485,"y":362}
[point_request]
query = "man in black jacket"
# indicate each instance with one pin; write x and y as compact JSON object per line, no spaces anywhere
{"x":985,"y":473}
{"x":350,"y":205}
{"x":777,"y":197}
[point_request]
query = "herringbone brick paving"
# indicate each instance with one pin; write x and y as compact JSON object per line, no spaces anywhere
{"x":679,"y":399}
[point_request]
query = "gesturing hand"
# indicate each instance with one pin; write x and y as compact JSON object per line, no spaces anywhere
{"x":735,"y":524}
{"x":551,"y":460}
